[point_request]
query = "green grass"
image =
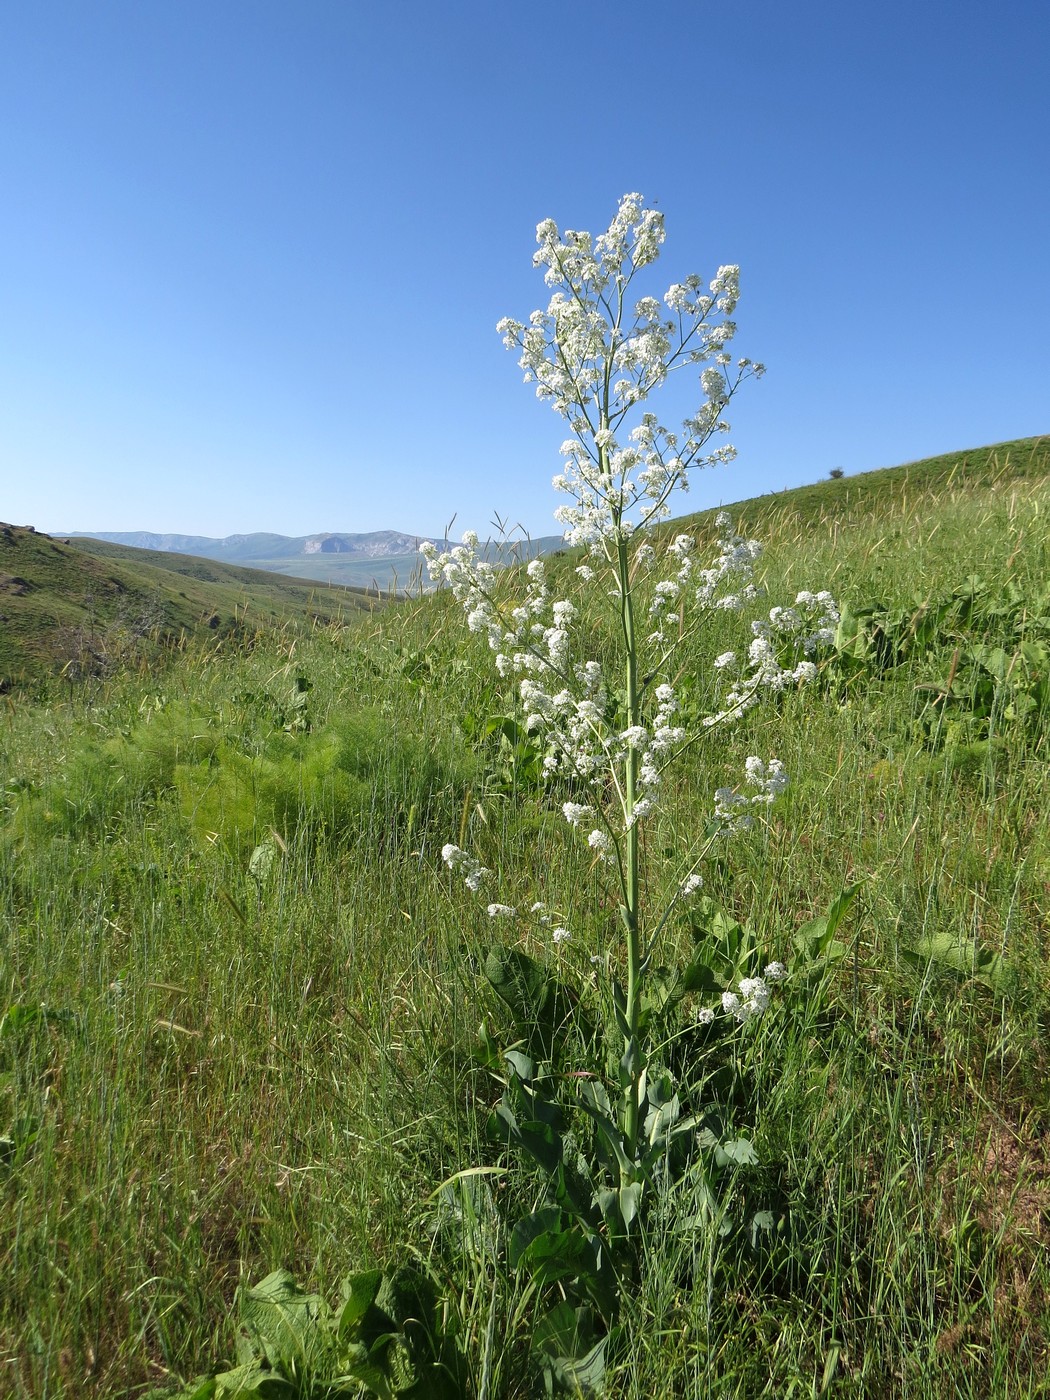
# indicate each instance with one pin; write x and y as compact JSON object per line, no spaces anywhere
{"x":218,"y":1072}
{"x":91,"y":609}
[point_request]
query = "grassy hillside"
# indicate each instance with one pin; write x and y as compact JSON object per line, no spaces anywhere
{"x":240,"y":996}
{"x":83,"y":607}
{"x":1000,"y":466}
{"x":88,"y":608}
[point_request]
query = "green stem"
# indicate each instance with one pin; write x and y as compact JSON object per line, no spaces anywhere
{"x":631,"y":912}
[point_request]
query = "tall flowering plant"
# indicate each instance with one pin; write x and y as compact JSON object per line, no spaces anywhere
{"x":596,"y":353}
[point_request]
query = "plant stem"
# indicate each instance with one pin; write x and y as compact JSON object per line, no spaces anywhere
{"x":632,"y":1049}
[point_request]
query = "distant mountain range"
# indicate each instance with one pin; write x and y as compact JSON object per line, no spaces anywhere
{"x":384,"y":558}
{"x":238,"y":549}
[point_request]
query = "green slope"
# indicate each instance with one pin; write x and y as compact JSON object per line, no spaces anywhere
{"x":1025,"y":459}
{"x":88,"y":608}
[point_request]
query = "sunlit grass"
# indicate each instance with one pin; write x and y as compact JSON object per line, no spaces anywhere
{"x":239,"y":1071}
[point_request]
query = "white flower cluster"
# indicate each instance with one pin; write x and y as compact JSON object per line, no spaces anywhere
{"x":723,"y":587}
{"x":750,"y":1000}
{"x":537,"y":912}
{"x":562,"y":699}
{"x":461,"y":863}
{"x":733,"y":808}
{"x":780,"y":654}
{"x":596,"y":353}
{"x":594,"y":366}
{"x":735,"y":567}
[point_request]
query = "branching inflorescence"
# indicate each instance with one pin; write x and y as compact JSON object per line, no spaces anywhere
{"x":596,"y":354}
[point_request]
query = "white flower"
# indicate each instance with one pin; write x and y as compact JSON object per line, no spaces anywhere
{"x":727,"y":659}
{"x":755,"y":993}
{"x":501,"y":911}
{"x":560,"y":935}
{"x":576,"y":812}
{"x":731,"y":810}
{"x":458,"y":861}
{"x":601,"y":843}
{"x":636,"y":737}
{"x":770,"y":777}
{"x":690,"y":885}
{"x":776,"y":972}
{"x":730,"y":1003}
{"x":703,"y":1015}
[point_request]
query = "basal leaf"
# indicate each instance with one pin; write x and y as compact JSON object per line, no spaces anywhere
{"x":361,"y":1294}
{"x":739,"y":1152}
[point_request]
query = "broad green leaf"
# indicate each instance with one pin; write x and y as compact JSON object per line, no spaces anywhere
{"x":630,"y":1200}
{"x":522,"y":1065}
{"x":964,"y":957}
{"x":762,"y":1223}
{"x":556,"y":1332}
{"x":582,"y":1375}
{"x":738,"y":1152}
{"x":361,"y":1294}
{"x":609,"y":1132}
{"x":357,"y":1373}
{"x":539,"y":1140}
{"x":252,"y":1382}
{"x":530,"y":1228}
{"x":283,"y":1321}
{"x":203,"y":1390}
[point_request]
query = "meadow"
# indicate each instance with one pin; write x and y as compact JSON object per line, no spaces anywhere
{"x":240,"y":995}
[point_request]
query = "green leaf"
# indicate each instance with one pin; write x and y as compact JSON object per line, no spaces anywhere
{"x":539,"y":1140}
{"x":630,"y":1201}
{"x":563,"y":1342}
{"x":582,"y":1375}
{"x":521,"y":1065}
{"x":556,"y":1333}
{"x":361,"y":1292}
{"x":253,"y":1382}
{"x":762,"y":1223}
{"x":543,"y":1007}
{"x":817,"y":938}
{"x":660,"y":1119}
{"x":738,"y":1153}
{"x":196,"y":1390}
{"x":531,"y":1228}
{"x":357,"y":1372}
{"x":284,"y":1322}
{"x":15,"y":1145}
{"x":488,"y":1050}
{"x":16,"y":1018}
{"x":608,"y":1131}
{"x":962,"y":956}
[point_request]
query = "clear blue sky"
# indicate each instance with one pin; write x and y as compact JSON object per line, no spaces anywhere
{"x":252,"y":254}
